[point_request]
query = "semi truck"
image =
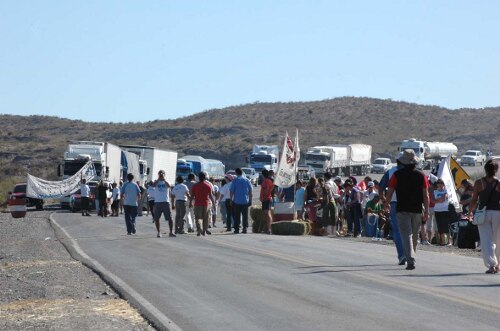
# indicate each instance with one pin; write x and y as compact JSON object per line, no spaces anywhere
{"x":130,"y":164}
{"x":429,"y":152}
{"x":153,"y":160}
{"x":340,"y":159}
{"x":263,"y":157}
{"x":213,"y":168}
{"x":184,"y":168}
{"x":105,"y":156}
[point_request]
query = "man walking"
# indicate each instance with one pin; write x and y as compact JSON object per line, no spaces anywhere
{"x":411,"y":186}
{"x":202,"y":195}
{"x":396,"y":236}
{"x":189,"y":213}
{"x":162,"y":203}
{"x":84,"y":193}
{"x":241,"y":197}
{"x":180,"y":195}
{"x":130,"y":195}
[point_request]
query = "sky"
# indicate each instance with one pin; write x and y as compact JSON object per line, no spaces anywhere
{"x":136,"y":61}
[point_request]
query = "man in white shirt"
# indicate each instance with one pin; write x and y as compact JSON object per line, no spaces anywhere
{"x":84,"y":194}
{"x":162,"y":203}
{"x":180,"y":196}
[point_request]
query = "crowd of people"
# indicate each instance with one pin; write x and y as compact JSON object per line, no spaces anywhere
{"x":406,"y":206}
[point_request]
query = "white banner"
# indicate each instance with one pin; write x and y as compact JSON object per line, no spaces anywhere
{"x":44,"y":189}
{"x":444,"y":173}
{"x":287,"y":169}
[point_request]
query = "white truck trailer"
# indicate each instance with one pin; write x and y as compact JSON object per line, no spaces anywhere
{"x":105,"y":156}
{"x":340,"y":159}
{"x":263,"y":157}
{"x":429,"y":152}
{"x":156,"y":159}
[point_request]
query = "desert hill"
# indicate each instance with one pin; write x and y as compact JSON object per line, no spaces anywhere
{"x":36,"y":144}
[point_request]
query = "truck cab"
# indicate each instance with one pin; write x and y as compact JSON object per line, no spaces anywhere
{"x":184,"y":168}
{"x":472,"y":158}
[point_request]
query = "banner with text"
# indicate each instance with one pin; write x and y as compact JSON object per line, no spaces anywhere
{"x":44,"y":189}
{"x":287,"y":169}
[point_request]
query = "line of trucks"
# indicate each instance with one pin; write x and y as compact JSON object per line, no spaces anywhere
{"x":112,"y":163}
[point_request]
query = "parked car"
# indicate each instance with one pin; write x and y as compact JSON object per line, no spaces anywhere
{"x":251,"y":174}
{"x":381,"y":165}
{"x":75,"y":200}
{"x":473,"y":158}
{"x":19,"y":192}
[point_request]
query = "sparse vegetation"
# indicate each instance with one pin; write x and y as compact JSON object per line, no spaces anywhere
{"x":36,"y":144}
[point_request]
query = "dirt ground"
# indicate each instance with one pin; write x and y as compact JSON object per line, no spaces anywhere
{"x":43,"y":288}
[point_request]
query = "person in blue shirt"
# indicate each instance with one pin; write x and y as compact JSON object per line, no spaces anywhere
{"x":299,"y":199}
{"x":130,"y":196}
{"x":241,"y":199}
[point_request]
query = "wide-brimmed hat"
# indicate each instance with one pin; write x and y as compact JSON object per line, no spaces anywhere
{"x":409,"y":157}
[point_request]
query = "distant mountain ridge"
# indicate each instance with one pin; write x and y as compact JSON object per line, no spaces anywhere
{"x":36,"y":144}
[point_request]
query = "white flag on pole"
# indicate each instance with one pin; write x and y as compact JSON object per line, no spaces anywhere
{"x":287,"y":169}
{"x":444,"y":173}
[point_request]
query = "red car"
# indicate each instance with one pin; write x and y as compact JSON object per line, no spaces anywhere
{"x":19,"y":192}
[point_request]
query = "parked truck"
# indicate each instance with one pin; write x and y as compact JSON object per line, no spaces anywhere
{"x":130,"y":164}
{"x":184,"y":168}
{"x":153,"y":160}
{"x":105,"y":156}
{"x":213,"y":168}
{"x":429,"y":152}
{"x":340,"y":159}
{"x":263,"y":157}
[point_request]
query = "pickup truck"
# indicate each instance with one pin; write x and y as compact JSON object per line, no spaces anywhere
{"x":473,"y":158}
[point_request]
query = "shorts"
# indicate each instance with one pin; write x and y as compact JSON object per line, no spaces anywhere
{"x":266,"y":205}
{"x":162,"y":208}
{"x":443,"y":221}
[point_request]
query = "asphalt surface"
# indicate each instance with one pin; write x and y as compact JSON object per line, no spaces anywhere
{"x":262,"y":282}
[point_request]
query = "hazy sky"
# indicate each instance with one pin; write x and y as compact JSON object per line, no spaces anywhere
{"x":126,"y":61}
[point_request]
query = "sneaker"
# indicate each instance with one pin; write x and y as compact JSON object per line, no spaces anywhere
{"x":172,"y":235}
{"x":158,"y":235}
{"x":208,"y":232}
{"x":244,"y":230}
{"x":402,"y":261}
{"x":190,"y":230}
{"x":425,"y":242}
{"x":236,"y":232}
{"x":410,"y":266}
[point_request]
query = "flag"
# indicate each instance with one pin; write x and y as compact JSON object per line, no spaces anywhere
{"x":446,"y":176}
{"x":287,"y":169}
{"x":458,"y":173}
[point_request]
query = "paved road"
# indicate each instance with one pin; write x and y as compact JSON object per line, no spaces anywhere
{"x":260,"y":282}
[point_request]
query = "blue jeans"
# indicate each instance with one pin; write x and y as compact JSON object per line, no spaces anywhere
{"x":396,"y":236}
{"x":130,"y":215}
{"x":238,"y":212}
{"x":355,"y":219}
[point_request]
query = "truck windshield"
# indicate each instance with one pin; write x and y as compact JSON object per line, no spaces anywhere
{"x":20,"y":188}
{"x":471,"y":153}
{"x":315,"y":157}
{"x":72,"y":167}
{"x":378,"y":161}
{"x":247,"y":172}
{"x":260,"y":158}
{"x":183,"y":170}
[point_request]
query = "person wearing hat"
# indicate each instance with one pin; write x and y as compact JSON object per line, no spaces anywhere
{"x":411,"y":186}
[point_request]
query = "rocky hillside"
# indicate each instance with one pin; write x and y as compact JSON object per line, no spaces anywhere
{"x":36,"y":144}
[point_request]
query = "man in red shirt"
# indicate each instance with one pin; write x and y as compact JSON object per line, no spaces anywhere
{"x":265,"y":197}
{"x":201,"y":193}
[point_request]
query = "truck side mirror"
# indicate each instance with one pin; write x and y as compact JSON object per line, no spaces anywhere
{"x":59,"y":170}
{"x":147,"y":172}
{"x":9,"y":193}
{"x":246,"y":159}
{"x":107,"y":172}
